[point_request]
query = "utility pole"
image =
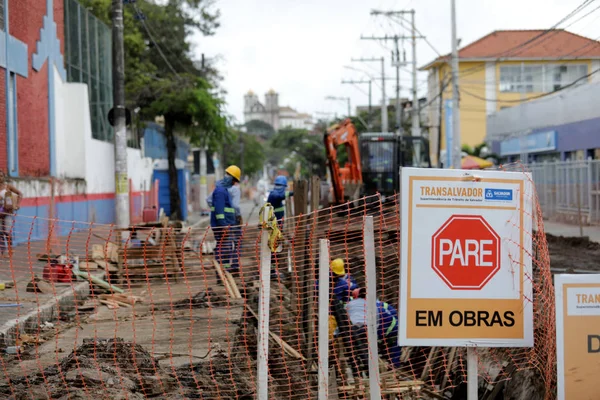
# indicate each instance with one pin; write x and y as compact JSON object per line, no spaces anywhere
{"x":456,"y":158}
{"x":384,"y":115}
{"x":118,"y":73}
{"x":415,"y":129}
{"x":352,"y":82}
{"x":398,"y":63}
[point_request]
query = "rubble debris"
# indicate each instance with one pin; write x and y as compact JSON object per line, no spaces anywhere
{"x":102,"y":368}
{"x":37,"y":285}
{"x":200,"y":300}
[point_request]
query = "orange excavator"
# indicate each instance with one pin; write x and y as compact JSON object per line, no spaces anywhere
{"x":347,"y":179}
{"x":374,"y":161}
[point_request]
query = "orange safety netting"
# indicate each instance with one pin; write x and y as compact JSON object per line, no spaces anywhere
{"x":185,"y":328}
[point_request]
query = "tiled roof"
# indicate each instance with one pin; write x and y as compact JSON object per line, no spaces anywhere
{"x":524,"y":44}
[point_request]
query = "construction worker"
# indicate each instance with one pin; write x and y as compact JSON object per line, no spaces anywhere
{"x":343,"y":283}
{"x":235,"y":193}
{"x":387,"y":323}
{"x":278,"y":196}
{"x":222,"y":219}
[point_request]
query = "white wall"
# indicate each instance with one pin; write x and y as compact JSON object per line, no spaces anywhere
{"x":100,"y":167}
{"x":72,"y":126}
{"x":78,"y":155}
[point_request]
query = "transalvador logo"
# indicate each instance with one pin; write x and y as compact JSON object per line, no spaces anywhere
{"x":499,"y":194}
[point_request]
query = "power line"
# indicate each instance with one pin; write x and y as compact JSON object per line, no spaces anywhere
{"x":155,"y":44}
{"x":511,"y":50}
{"x":537,"y":96}
{"x":400,"y":21}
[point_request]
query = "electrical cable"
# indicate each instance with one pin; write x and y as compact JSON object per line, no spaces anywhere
{"x":534,"y":97}
{"x":151,"y":37}
{"x":529,"y":41}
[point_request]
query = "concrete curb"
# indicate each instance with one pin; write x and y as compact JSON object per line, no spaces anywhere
{"x":47,"y":310}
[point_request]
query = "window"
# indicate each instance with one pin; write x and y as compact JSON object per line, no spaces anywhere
{"x":540,"y":78}
{"x":2,"y":14}
{"x":510,"y":78}
{"x":562,"y":75}
{"x":533,"y":78}
{"x":517,"y":78}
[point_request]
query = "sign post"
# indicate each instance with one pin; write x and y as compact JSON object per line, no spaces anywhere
{"x":463,"y":276}
{"x":577,"y":335}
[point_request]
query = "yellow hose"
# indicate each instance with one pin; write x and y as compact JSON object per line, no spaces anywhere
{"x":270,"y":223}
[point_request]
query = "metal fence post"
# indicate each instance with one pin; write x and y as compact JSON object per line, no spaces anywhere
{"x":323,"y":327}
{"x":371,"y":275}
{"x":264,"y":297}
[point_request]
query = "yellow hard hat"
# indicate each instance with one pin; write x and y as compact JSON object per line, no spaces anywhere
{"x":234,"y":171}
{"x":337,"y":266}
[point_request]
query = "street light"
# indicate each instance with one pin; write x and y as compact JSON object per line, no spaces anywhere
{"x":341,"y":99}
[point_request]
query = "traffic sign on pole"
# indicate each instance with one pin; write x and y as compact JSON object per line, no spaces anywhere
{"x":465,"y":277}
{"x":577,"y":335}
{"x":466,"y":252}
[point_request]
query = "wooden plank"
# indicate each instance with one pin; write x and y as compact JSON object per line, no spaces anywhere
{"x":233,"y":285}
{"x":282,"y":343}
{"x":302,"y":293}
{"x":428,"y":363}
{"x":223,"y":279}
{"x":450,"y":367}
{"x":107,"y":266}
{"x":299,"y":251}
{"x":88,"y":266}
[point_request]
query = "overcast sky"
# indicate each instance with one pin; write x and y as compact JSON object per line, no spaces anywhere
{"x":299,"y":47}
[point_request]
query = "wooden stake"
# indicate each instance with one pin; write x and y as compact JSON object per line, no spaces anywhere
{"x":233,"y":285}
{"x":223,"y":279}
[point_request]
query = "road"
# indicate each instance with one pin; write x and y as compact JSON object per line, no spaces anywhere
{"x":249,"y":211}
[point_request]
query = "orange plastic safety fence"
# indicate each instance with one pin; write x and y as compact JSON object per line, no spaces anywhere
{"x":172,"y":312}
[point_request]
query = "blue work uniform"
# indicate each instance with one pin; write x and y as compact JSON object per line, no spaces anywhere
{"x":276,"y":198}
{"x":222,"y":218}
{"x":387,"y":332}
{"x":235,"y":194}
{"x":342,"y":287}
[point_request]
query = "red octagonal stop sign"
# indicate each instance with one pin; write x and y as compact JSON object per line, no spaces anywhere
{"x":466,"y":252}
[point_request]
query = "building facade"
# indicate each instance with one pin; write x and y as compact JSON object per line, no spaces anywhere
{"x":563,"y":126}
{"x":502,"y":70}
{"x":273,"y":114}
{"x":48,"y":119}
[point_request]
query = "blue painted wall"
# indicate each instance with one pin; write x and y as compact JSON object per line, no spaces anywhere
{"x":155,"y":144}
{"x":31,"y":222}
{"x":164,"y":199}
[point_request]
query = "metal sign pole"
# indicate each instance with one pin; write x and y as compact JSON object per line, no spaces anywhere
{"x":264,"y":296}
{"x":323,"y":319}
{"x":472,"y":377}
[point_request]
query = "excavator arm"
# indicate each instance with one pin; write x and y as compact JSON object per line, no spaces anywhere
{"x":343,"y":133}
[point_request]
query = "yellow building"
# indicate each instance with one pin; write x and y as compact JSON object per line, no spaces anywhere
{"x":501,"y":70}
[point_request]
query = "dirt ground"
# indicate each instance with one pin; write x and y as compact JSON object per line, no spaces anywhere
{"x":570,"y":254}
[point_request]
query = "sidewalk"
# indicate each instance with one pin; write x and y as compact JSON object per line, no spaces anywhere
{"x":560,"y":229}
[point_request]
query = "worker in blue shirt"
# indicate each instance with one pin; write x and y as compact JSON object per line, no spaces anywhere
{"x":387,"y":324}
{"x":223,"y":218}
{"x":278,"y":196}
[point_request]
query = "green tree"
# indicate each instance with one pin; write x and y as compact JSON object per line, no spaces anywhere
{"x":299,"y":146}
{"x":164,"y":78}
{"x":246,"y":152}
{"x":260,"y":128}
{"x":189,"y":108}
